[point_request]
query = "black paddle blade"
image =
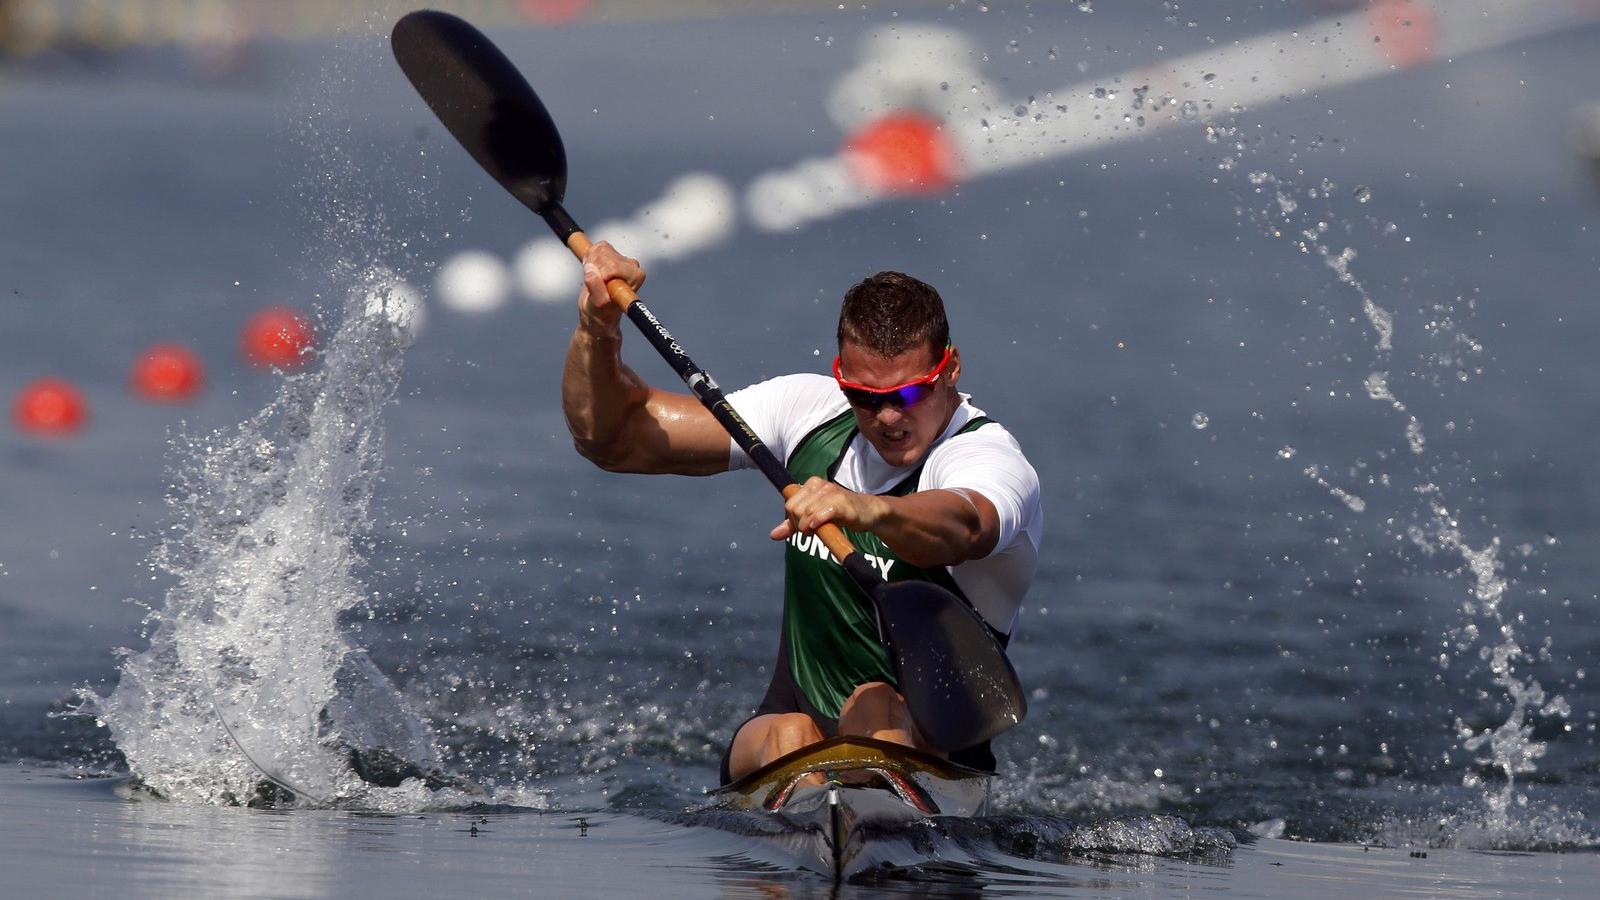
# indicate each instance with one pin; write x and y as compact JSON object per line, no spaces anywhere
{"x":955,"y":677}
{"x":486,"y":103}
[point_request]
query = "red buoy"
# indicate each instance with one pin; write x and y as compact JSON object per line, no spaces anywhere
{"x":1406,"y":31}
{"x":51,"y":407}
{"x":555,"y":12}
{"x":903,"y":153}
{"x":167,"y":373}
{"x":277,"y":336}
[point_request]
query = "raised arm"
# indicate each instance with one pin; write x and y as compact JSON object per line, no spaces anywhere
{"x":618,"y":421}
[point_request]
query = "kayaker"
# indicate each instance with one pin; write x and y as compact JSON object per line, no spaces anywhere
{"x":887,"y":448}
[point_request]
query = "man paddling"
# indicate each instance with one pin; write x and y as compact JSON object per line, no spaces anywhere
{"x":926,"y":486}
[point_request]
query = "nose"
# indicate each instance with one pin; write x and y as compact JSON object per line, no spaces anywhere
{"x":890,"y":415}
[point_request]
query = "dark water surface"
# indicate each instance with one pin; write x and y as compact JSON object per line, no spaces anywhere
{"x":1257,"y":607}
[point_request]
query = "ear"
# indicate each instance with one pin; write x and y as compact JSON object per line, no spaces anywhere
{"x":954,"y":371}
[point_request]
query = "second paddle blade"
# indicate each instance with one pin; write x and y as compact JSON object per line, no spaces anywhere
{"x":485,"y":102}
{"x":953,"y":673}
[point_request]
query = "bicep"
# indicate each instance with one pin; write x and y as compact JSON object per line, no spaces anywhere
{"x":674,"y":435}
{"x":988,"y":531}
{"x":994,"y":474}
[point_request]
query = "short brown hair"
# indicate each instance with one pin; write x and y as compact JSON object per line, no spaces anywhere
{"x":891,"y":312}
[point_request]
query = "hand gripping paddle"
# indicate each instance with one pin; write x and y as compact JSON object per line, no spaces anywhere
{"x":961,"y":688}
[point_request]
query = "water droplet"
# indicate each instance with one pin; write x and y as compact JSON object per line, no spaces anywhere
{"x":1362,"y":193}
{"x":1287,"y":451}
{"x":1086,"y":6}
{"x":1201,"y":420}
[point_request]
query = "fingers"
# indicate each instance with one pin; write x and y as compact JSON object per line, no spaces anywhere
{"x":817,"y":503}
{"x":602,"y":264}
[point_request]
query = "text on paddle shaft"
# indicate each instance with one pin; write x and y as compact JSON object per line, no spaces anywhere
{"x":672,"y":343}
{"x":810,"y":543}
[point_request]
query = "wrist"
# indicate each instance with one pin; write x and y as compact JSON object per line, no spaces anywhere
{"x":878,"y":510}
{"x":597,"y":332}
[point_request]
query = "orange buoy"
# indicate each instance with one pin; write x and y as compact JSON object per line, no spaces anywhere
{"x":277,"y":336}
{"x":903,"y":153}
{"x":167,"y":373}
{"x":50,"y":406}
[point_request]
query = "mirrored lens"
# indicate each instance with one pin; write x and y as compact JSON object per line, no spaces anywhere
{"x":904,"y":397}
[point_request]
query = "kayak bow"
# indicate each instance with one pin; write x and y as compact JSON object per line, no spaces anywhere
{"x":844,"y":790}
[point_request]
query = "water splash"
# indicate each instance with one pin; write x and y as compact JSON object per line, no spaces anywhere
{"x":1509,"y":749}
{"x":1377,"y":385}
{"x":247,"y":678}
{"x":1355,"y":503}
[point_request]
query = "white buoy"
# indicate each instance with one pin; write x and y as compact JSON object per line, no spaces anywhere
{"x":697,"y":211}
{"x":771,"y":202}
{"x":908,"y":67}
{"x":473,"y":281}
{"x":813,"y":189}
{"x":547,"y":273}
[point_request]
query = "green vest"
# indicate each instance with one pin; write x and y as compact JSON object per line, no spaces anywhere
{"x":830,"y":629}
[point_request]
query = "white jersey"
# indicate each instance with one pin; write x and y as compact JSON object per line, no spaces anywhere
{"x":784,"y":410}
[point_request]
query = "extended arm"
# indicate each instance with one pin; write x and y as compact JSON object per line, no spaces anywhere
{"x":618,"y":421}
{"x":925,"y":528}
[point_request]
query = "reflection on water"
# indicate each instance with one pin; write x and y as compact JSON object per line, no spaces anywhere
{"x":81,"y":838}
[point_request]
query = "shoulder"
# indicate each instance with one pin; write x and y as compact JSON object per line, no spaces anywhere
{"x":977,"y":457}
{"x":803,"y":387}
{"x":783,"y":410}
{"x":967,"y":435}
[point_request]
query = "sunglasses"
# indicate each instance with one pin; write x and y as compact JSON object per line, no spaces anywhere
{"x":901,"y":396}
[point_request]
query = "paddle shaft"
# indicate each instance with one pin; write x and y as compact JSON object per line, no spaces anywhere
{"x":705,"y":388}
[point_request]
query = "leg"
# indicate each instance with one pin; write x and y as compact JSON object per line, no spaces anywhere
{"x":877,"y":710}
{"x":765,"y":738}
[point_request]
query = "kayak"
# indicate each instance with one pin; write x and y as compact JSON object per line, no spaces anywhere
{"x":842,"y":792}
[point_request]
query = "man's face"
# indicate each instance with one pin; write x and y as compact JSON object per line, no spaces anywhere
{"x":900,"y":434}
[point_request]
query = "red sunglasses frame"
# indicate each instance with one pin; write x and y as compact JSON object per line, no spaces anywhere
{"x":903,"y":395}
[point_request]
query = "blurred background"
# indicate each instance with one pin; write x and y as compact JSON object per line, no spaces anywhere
{"x":1289,"y":302}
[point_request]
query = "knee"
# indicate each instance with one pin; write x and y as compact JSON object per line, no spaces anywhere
{"x":791,"y":731}
{"x":875,"y":699}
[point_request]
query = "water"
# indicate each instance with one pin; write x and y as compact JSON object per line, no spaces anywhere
{"x":1306,"y":394}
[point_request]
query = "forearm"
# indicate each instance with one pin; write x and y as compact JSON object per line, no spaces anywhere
{"x":599,"y":395}
{"x":934,"y":528}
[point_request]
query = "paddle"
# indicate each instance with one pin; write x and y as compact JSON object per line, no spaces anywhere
{"x":955,"y":677}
